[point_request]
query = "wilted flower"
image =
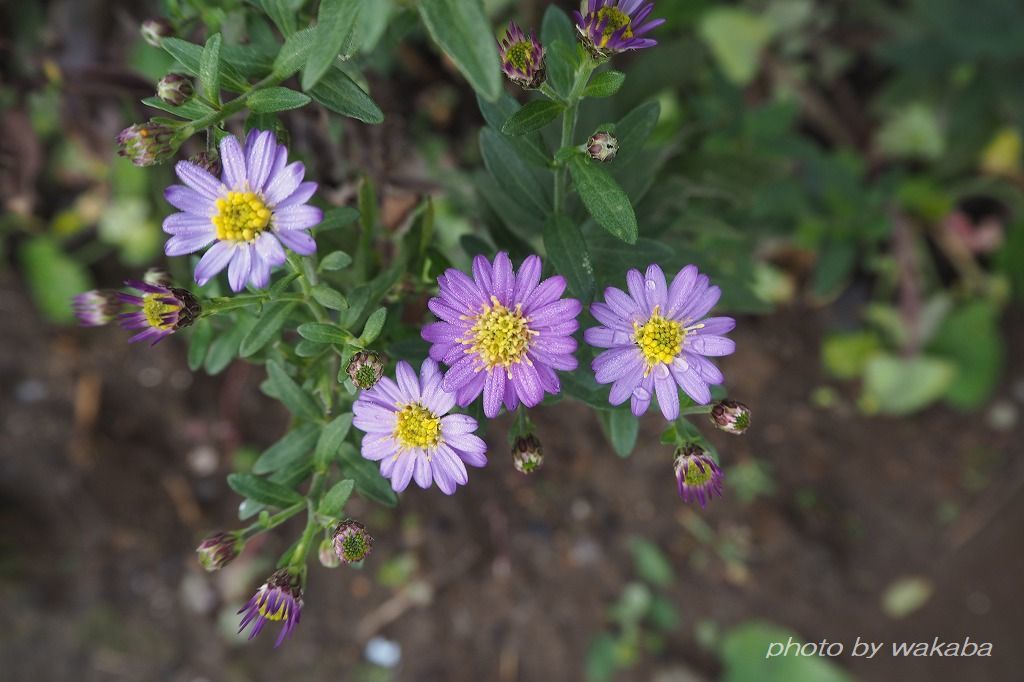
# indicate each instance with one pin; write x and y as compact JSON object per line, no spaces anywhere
{"x":217,"y":551}
{"x":658,"y":339}
{"x":162,"y":311}
{"x":602,"y":146}
{"x":209,"y":161}
{"x":97,"y":307}
{"x":697,"y":475}
{"x":730,"y":416}
{"x":365,"y":369}
{"x":409,"y":431}
{"x":527,"y":454}
{"x":502,"y":334}
{"x":611,"y":26}
{"x":153,"y":30}
{"x":258,"y":204}
{"x":522,"y":57}
{"x":146,"y":144}
{"x":352,"y":543}
{"x":278,"y":599}
{"x":328,"y":557}
{"x":174,"y":89}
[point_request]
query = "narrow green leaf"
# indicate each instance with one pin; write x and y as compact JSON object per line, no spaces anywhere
{"x":330,"y":440}
{"x":561,"y":60}
{"x":263,"y":491}
{"x":189,"y":55}
{"x":209,"y":69}
{"x":340,"y":94}
{"x":324,"y":333}
{"x":309,"y":349}
{"x":511,"y":172}
{"x":621,"y":427}
{"x":336,"y":218}
{"x":568,"y":252}
{"x":533,"y":116}
{"x":291,"y":394}
{"x":199,"y":344}
{"x":633,"y":130}
{"x":334,"y":500}
{"x":225,"y":344}
{"x":270,"y":100}
{"x":338,"y":21}
{"x":191,"y":109}
{"x":329,"y":298}
{"x":337,"y":260}
{"x":294,"y":52}
{"x":556,"y":26}
{"x":282,"y":13}
{"x":368,"y":480}
{"x":373,"y":327}
{"x":604,"y":199}
{"x":295,"y":445}
{"x":289,"y":477}
{"x":605,"y":84}
{"x":267,"y":326}
{"x":462,"y":30}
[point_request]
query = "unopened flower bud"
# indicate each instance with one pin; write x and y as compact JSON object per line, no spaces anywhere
{"x":602,"y":146}
{"x":328,"y":557}
{"x":522,"y":57}
{"x":153,"y":30}
{"x":527,"y":454}
{"x":208,"y":161}
{"x":217,"y":551}
{"x":351,"y":542}
{"x":697,"y":475}
{"x":174,"y":89}
{"x":97,"y":307}
{"x":157,"y":277}
{"x":730,"y":416}
{"x":146,"y":144}
{"x":365,"y":369}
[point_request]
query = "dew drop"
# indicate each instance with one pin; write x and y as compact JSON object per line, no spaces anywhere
{"x":650,"y":284}
{"x":620,"y":338}
{"x":661,"y":371}
{"x":641,"y":393}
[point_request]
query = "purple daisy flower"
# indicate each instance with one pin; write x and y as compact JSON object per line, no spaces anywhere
{"x":162,"y":311}
{"x":658,"y":338}
{"x":522,"y":57}
{"x":502,"y":334}
{"x":409,"y":431}
{"x":278,"y":599}
{"x":258,"y":204}
{"x":697,"y":475}
{"x":97,"y":307}
{"x":611,"y":26}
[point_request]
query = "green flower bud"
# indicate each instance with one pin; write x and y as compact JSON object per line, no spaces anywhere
{"x":366,"y":368}
{"x":527,"y":454}
{"x":174,"y":89}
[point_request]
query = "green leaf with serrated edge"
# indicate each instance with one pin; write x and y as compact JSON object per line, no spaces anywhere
{"x":462,"y":30}
{"x":282,"y":13}
{"x":342,"y":95}
{"x":291,"y":394}
{"x":511,"y":172}
{"x":337,"y":218}
{"x":337,"y":260}
{"x":338,"y":21}
{"x":270,"y":100}
{"x":605,"y":84}
{"x":329,"y":298}
{"x":532,"y":116}
{"x":199,"y":344}
{"x":189,"y":56}
{"x":295,"y":445}
{"x":567,"y":251}
{"x":191,"y":109}
{"x":374,"y":325}
{"x":334,"y":500}
{"x":324,"y":333}
{"x":621,"y":427}
{"x":330,"y":440}
{"x":294,"y":52}
{"x":604,"y":199}
{"x":369,"y":482}
{"x":263,"y":491}
{"x":209,"y":69}
{"x":225,"y":345}
{"x":267,"y":326}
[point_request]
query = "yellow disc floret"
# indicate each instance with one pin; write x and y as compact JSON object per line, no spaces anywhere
{"x":417,"y":427}
{"x":616,"y":19}
{"x":280,"y":614}
{"x":659,"y":339}
{"x":499,"y":337}
{"x":241,"y":216}
{"x":154,"y":308}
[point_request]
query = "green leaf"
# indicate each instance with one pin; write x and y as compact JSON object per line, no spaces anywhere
{"x":743,"y":654}
{"x":736,"y":37}
{"x":373,"y":327}
{"x":970,"y":337}
{"x":511,"y":172}
{"x":199,"y":343}
{"x":605,"y":84}
{"x":295,"y":445}
{"x":621,"y":427}
{"x":568,"y":252}
{"x":582,"y":386}
{"x":294,"y":52}
{"x":209,"y":69}
{"x":267,"y":326}
{"x":651,"y":564}
{"x":191,"y":109}
{"x":189,"y":55}
{"x":604,"y":199}
{"x":464,"y":33}
{"x":340,"y":94}
{"x":846,"y":355}
{"x":533,"y":116}
{"x":338,"y":23}
{"x":334,"y":500}
{"x":336,"y":218}
{"x":291,"y":394}
{"x":337,"y":260}
{"x":263,"y":491}
{"x":369,"y":483}
{"x":633,"y":130}
{"x":225,"y":344}
{"x":54,"y":277}
{"x":899,"y":386}
{"x":324,"y":333}
{"x":331,"y":438}
{"x":289,"y":477}
{"x":561,"y":60}
{"x":282,"y":13}
{"x":274,"y":99}
{"x":329,"y":298}
{"x":556,"y":26}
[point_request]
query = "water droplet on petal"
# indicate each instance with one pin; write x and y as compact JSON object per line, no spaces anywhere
{"x":620,"y":338}
{"x":641,"y":393}
{"x":650,"y":284}
{"x":661,"y":371}
{"x":681,"y":364}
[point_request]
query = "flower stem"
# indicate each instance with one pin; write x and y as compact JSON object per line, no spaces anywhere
{"x":572,"y":102}
{"x":274,"y":521}
{"x":298,"y":558}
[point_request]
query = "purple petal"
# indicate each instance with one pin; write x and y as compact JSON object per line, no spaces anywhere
{"x":710,"y":344}
{"x":546,"y":292}
{"x":213,"y":261}
{"x":716,"y":325}
{"x":421,"y":473}
{"x":503,"y":281}
{"x":655,"y":288}
{"x":188,"y":224}
{"x":198,"y":179}
{"x":527,"y":278}
{"x":482,"y":274}
{"x":301,"y":195}
{"x":240,"y":267}
{"x":668,"y":393}
{"x":298,"y":241}
{"x":269,"y":249}
{"x":679,"y":290}
{"x":408,"y":384}
{"x":233,"y":161}
{"x":284,"y":183}
{"x":494,"y":392}
{"x":691,"y":382}
{"x":300,"y":217}
{"x":186,"y":199}
{"x":259,"y":157}
{"x":179,"y":245}
{"x":527,"y":384}
{"x":402,"y":472}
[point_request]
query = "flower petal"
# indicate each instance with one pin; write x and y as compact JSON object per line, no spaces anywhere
{"x":233,"y":161}
{"x":213,"y":261}
{"x":298,"y":241}
{"x":199,"y":179}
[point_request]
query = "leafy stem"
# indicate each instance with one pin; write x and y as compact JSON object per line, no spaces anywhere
{"x":273,"y":521}
{"x":316,"y":487}
{"x":580,"y":80}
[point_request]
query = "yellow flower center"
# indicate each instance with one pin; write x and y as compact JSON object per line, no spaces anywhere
{"x":417,"y":427}
{"x":241,"y":216}
{"x":659,"y":339}
{"x":154,"y":308}
{"x":499,"y":337}
{"x":518,"y":55}
{"x":280,"y":614}
{"x":616,"y":20}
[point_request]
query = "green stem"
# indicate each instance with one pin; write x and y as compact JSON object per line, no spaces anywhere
{"x":572,"y":102}
{"x":696,"y":409}
{"x":274,"y":521}
{"x":230,"y":108}
{"x":307,"y":280}
{"x":298,"y":559}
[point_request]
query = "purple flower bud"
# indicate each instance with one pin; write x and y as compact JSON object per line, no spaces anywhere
{"x":351,"y":542}
{"x":365,"y":369}
{"x":161,"y":310}
{"x":602,"y":146}
{"x":730,"y":416}
{"x":174,"y":89}
{"x":522,"y":57}
{"x":146,"y":144}
{"x":697,"y":475}
{"x":218,"y":550}
{"x":278,"y":599}
{"x":527,"y":454}
{"x":97,"y":307}
{"x":153,"y":30}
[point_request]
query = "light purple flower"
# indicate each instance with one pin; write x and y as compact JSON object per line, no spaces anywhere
{"x":658,"y":338}
{"x":409,"y":431}
{"x":278,"y":599}
{"x":258,"y":205}
{"x":502,"y":334}
{"x":611,"y":26}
